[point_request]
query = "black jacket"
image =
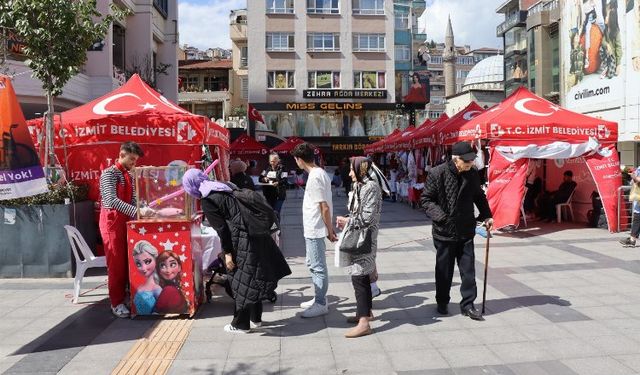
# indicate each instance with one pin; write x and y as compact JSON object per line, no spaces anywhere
{"x":274,"y":193}
{"x":448,"y":198}
{"x":259,"y":261}
{"x":242,"y":181}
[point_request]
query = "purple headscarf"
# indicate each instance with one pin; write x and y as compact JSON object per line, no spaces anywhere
{"x":198,"y":185}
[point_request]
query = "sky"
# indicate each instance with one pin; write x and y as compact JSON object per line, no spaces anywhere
{"x":205,"y":23}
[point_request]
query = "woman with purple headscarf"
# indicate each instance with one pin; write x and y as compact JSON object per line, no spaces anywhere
{"x":254,"y":262}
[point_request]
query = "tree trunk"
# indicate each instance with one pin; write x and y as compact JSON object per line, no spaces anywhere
{"x":50,"y":157}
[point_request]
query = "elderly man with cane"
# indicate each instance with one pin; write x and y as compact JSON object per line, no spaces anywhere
{"x":449,"y":196}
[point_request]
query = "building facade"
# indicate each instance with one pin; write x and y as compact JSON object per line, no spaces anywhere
{"x":322,"y":70}
{"x":239,"y":75}
{"x":146,"y":39}
{"x":513,"y":31}
{"x":204,"y":87}
{"x":543,"y":49}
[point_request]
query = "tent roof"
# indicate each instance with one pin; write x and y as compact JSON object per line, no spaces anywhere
{"x":247,"y":145}
{"x":523,"y":116}
{"x":449,"y":129}
{"x":135,"y":112}
{"x":423,"y":137}
{"x":288,"y":145}
{"x":403,"y":141}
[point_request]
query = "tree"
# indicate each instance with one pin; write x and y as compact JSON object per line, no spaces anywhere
{"x":146,"y":70}
{"x":57,"y":34}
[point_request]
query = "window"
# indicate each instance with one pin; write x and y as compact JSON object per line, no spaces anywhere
{"x":323,"y":6}
{"x":244,"y":88}
{"x":280,"y":42}
{"x":119,"y":50}
{"x":324,"y":80}
{"x":368,"y":42}
{"x":280,"y":79}
{"x":191,"y":84}
{"x":244,"y":56}
{"x":403,"y":53}
{"x":213,"y":83}
{"x":436,"y":59}
{"x":369,"y":80}
{"x":327,"y":42}
{"x":465,"y":60}
{"x":162,"y":6}
{"x":368,"y":7}
{"x":279,"y":6}
{"x":402,"y":21}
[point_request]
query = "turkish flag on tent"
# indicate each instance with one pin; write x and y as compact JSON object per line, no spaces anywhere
{"x":246,"y":145}
{"x":133,"y":112}
{"x":451,"y":128}
{"x":21,"y":174}
{"x":254,"y":115}
{"x":523,"y":116}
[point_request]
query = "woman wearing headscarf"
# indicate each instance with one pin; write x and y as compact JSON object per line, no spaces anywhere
{"x":254,"y":261}
{"x":366,"y":204}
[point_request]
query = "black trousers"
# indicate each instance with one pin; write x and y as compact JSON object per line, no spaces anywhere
{"x":250,"y":311}
{"x":447,"y":253}
{"x":364,"y":299}
{"x":635,"y":226}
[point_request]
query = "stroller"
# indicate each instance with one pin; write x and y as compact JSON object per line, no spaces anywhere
{"x":220,"y":277}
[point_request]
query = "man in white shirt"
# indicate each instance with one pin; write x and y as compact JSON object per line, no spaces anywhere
{"x":317,"y":208}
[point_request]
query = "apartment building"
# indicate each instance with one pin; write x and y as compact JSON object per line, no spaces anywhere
{"x":323,"y":69}
{"x":146,"y":38}
{"x":239,"y":75}
{"x":204,"y":87}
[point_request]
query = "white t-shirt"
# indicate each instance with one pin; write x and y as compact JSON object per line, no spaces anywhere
{"x":318,"y":190}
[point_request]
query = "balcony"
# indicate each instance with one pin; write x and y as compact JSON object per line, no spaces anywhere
{"x":238,"y":31}
{"x":518,"y":18}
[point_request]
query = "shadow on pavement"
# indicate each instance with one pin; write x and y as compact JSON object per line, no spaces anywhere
{"x":497,"y":306}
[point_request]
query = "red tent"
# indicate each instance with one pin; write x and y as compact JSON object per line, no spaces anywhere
{"x":378,"y":146}
{"x":389,"y":141}
{"x":133,"y":112}
{"x":451,"y":128}
{"x":287,"y":146}
{"x":404,"y":141}
{"x":246,"y":145}
{"x":424,"y":136}
{"x":525,"y":127}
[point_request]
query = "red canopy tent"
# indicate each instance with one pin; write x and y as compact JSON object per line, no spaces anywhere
{"x":378,"y":146}
{"x":423,"y":137}
{"x":388,"y":142}
{"x":525,"y":127}
{"x":287,"y":146}
{"x":450,"y":129}
{"x":404,"y":141}
{"x":135,"y":112}
{"x":247,"y":146}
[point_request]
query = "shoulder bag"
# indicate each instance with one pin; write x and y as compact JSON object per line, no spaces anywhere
{"x":356,"y":239}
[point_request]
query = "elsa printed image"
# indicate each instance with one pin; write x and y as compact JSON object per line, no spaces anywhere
{"x":144,"y":257}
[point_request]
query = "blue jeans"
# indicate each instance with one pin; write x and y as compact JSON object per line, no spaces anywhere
{"x":317,"y":264}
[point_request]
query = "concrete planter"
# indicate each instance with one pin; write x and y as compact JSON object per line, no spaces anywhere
{"x":34,"y":243}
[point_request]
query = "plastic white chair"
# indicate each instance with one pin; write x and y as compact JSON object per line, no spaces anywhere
{"x":79,"y":245}
{"x":566,"y":204}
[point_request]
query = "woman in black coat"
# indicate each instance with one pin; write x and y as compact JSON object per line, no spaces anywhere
{"x":254,"y":262}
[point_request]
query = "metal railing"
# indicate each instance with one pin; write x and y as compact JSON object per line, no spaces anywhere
{"x":624,"y":208}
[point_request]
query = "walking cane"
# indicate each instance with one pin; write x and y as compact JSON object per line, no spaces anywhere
{"x":483,"y":232}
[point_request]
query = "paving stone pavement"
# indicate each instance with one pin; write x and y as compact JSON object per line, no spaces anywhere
{"x":562,"y":299}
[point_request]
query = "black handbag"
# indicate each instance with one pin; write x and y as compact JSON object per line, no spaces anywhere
{"x":356,"y":239}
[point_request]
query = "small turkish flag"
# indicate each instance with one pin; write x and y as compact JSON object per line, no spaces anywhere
{"x":255,"y":115}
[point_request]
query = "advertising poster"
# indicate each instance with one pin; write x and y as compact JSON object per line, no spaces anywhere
{"x":594,"y":52}
{"x":21,"y":174}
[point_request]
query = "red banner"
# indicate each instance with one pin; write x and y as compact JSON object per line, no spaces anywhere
{"x":506,"y":189}
{"x":605,"y":168}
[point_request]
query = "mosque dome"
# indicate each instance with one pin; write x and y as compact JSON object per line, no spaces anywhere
{"x":488,"y":74}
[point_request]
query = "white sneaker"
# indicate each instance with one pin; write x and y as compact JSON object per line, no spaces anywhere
{"x":121,"y":311}
{"x":315,"y":310}
{"x":306,"y":305}
{"x":253,"y":324}
{"x":231,"y":329}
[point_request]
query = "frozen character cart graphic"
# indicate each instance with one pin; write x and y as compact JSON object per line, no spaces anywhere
{"x":171,"y":299}
{"x":144,"y":258}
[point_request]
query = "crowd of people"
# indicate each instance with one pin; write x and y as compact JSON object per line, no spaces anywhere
{"x":255,"y":263}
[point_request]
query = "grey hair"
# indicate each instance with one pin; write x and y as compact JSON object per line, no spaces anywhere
{"x":274,"y":156}
{"x":455,"y":157}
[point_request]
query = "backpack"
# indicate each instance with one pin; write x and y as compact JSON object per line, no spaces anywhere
{"x":258,"y":216}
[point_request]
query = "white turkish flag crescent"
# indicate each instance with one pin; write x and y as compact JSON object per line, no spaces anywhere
{"x":100,"y":107}
{"x":520,"y":106}
{"x":469,"y":115}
